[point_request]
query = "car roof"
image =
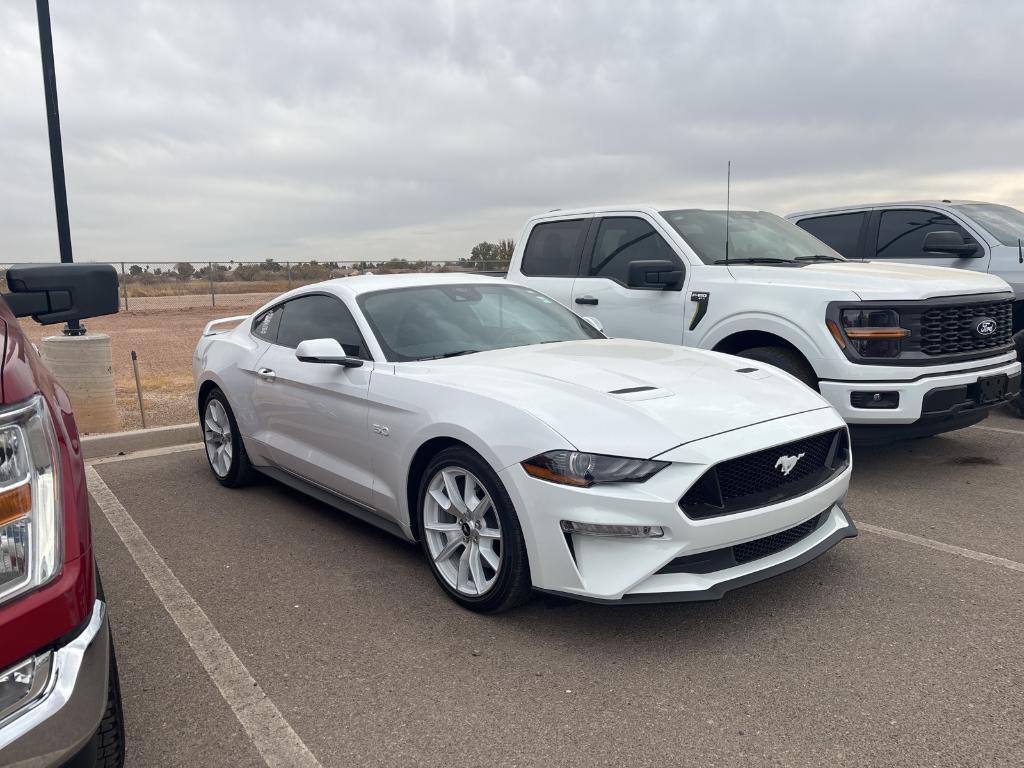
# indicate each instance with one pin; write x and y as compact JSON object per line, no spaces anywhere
{"x":359,"y":284}
{"x":890,"y":204}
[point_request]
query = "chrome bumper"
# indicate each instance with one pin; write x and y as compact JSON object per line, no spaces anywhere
{"x":52,"y":726}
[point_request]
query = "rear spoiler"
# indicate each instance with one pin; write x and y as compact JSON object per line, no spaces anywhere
{"x":210,"y":329}
{"x":58,"y":293}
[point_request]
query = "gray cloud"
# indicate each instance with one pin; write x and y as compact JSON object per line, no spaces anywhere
{"x":237,"y":130}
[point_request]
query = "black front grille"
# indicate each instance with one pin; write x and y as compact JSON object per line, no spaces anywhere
{"x":759,"y":478}
{"x":727,"y":557}
{"x":952,"y":329}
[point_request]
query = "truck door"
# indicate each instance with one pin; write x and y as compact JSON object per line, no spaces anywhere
{"x":551,"y":258}
{"x":898,"y":234}
{"x":602,"y":290}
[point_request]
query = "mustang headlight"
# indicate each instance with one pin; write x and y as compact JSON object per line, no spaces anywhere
{"x":873,"y":332}
{"x":586,"y":469}
{"x":30,"y":523}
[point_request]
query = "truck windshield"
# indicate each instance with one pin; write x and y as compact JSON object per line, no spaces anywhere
{"x":436,"y":321}
{"x":755,"y":237}
{"x":1004,"y":223}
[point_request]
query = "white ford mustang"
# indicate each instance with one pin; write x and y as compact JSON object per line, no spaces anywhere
{"x":519,"y":446}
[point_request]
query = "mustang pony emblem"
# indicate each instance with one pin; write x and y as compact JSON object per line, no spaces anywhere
{"x":786,"y":463}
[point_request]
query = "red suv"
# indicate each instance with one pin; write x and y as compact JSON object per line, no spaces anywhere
{"x":60,"y":702}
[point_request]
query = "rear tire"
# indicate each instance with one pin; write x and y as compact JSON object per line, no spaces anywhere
{"x":786,"y":359}
{"x":225,"y":451}
{"x":478,"y":557}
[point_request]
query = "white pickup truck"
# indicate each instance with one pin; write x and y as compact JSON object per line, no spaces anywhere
{"x":899,"y":350}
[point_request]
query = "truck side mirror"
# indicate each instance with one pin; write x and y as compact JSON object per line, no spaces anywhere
{"x":949,"y":243}
{"x":655,"y":275}
{"x":57,"y":293}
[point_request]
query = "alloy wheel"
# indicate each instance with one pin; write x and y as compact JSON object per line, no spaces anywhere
{"x":217,"y":436}
{"x":462,"y":531}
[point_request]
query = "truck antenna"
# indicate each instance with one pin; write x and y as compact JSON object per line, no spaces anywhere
{"x":728,"y":188}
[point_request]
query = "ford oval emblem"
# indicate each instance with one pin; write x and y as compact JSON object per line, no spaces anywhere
{"x":986,"y":326}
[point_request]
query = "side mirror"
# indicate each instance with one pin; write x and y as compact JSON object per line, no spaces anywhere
{"x":594,"y":322}
{"x":655,"y":275}
{"x":57,"y":293}
{"x":327,"y":351}
{"x":949,"y":244}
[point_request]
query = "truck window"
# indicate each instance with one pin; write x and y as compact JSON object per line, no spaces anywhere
{"x":621,"y":240}
{"x":901,"y":233}
{"x":553,"y":249}
{"x":841,"y":231}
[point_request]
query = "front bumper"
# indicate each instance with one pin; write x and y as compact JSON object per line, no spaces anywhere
{"x":917,"y":395}
{"x":623,"y":569}
{"x":54,"y":725}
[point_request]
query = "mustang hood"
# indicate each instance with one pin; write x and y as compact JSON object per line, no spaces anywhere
{"x":628,"y":398}
{"x":874,"y":280}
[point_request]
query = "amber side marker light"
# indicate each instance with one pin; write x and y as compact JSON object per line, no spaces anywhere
{"x":836,"y":333}
{"x":15,"y":503}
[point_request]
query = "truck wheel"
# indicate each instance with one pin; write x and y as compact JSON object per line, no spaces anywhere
{"x":1017,"y":405}
{"x":106,"y":748}
{"x":786,"y":359}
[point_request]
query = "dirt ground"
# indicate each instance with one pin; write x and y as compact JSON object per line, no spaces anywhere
{"x":164,"y":337}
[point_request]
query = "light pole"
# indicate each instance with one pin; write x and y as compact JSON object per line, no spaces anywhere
{"x":60,"y":192}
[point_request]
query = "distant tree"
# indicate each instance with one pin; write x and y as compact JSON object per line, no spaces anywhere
{"x":483,"y":252}
{"x":272,"y":266}
{"x":504,"y":249}
{"x":184,"y":270}
{"x":135,"y":270}
{"x":157,"y":271}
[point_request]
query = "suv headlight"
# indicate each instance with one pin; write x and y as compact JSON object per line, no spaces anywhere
{"x":871,"y":332}
{"x":586,"y":469}
{"x":30,"y":521}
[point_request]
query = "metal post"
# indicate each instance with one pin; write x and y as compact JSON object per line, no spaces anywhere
{"x":213,"y":296}
{"x":138,"y":388}
{"x":124,"y":287}
{"x":288,"y":266}
{"x":60,"y":192}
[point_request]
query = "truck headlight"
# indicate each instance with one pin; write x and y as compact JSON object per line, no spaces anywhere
{"x":586,"y":469}
{"x":873,"y":332}
{"x":30,"y":523}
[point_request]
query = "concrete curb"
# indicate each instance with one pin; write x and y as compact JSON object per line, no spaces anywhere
{"x":116,"y":443}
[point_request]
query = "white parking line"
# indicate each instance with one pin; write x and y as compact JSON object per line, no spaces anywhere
{"x":146,"y":454}
{"x":269,"y":732}
{"x":941,"y":547}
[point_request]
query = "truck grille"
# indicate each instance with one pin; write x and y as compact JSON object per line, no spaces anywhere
{"x":758,"y":479}
{"x":951,"y":329}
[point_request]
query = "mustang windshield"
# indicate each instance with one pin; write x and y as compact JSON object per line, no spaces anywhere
{"x":755,"y":237}
{"x":436,"y":321}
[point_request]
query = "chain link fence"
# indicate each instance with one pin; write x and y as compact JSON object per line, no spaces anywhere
{"x":249,"y":284}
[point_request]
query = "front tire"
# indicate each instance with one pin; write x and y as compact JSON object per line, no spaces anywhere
{"x":225,"y":450}
{"x":786,"y":359}
{"x":470,"y":533}
{"x":106,"y":748}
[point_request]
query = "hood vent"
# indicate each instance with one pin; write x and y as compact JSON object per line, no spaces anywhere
{"x":630,"y":390}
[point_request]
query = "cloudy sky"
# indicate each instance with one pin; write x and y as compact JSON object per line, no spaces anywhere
{"x":216,"y":130}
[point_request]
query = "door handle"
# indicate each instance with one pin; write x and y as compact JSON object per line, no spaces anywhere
{"x":266,"y":374}
{"x":586,"y":300}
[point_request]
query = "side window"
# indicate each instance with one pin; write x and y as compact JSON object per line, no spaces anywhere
{"x":901,"y":233}
{"x":841,"y":231}
{"x":553,"y":248}
{"x":621,"y":240}
{"x":265,"y":325}
{"x":320,"y":317}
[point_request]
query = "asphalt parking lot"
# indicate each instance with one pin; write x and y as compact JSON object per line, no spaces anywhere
{"x":902,"y":647}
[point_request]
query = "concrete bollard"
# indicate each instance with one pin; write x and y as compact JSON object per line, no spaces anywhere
{"x":84,"y":367}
